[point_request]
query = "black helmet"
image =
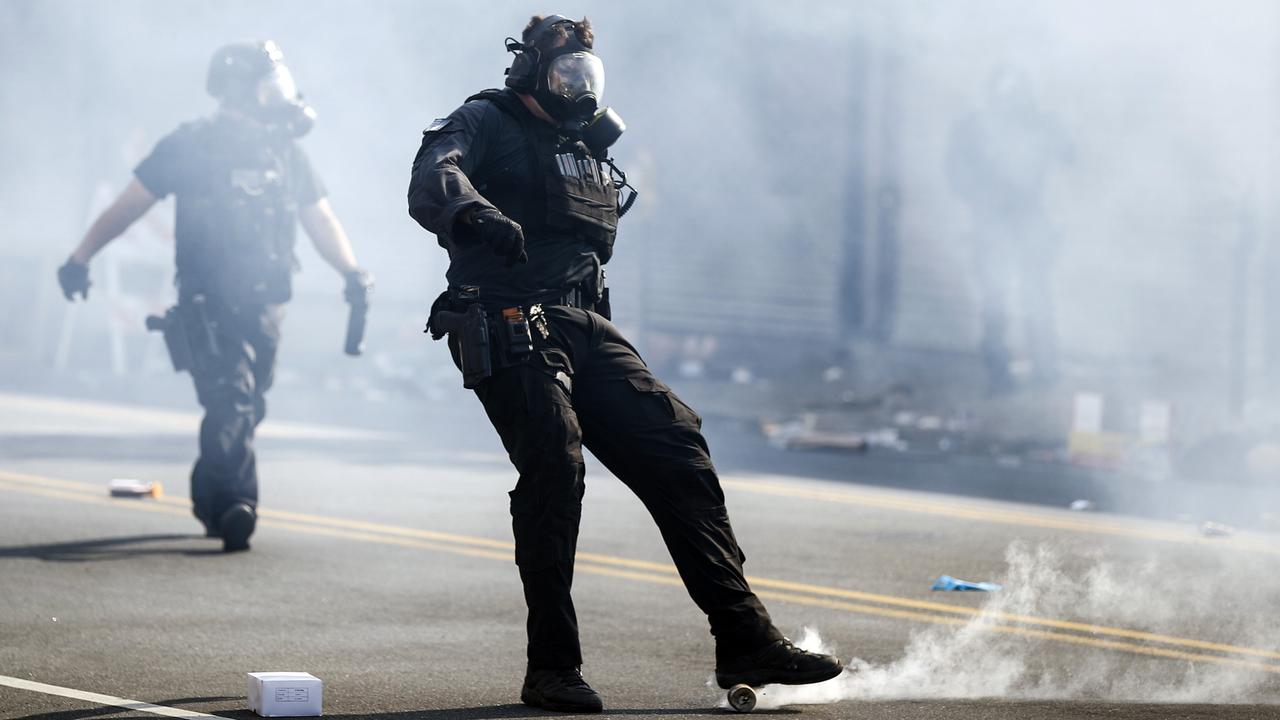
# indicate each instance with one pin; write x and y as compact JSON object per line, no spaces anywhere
{"x":235,"y":69}
{"x":251,"y":77}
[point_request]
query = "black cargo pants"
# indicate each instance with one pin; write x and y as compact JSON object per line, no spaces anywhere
{"x":586,"y":385}
{"x":231,"y":382}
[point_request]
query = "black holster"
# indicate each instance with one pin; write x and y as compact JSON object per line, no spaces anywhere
{"x":190,"y":335}
{"x":175,"y":337}
{"x":470,"y":329}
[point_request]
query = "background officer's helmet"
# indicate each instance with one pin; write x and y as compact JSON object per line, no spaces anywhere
{"x":251,"y":77}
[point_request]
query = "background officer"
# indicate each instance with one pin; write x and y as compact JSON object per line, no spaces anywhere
{"x":516,"y":186}
{"x":241,"y":183}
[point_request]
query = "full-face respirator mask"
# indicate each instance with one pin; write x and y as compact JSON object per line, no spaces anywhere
{"x":567,"y":81}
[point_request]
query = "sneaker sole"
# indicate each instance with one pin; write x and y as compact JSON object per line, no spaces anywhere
{"x":772,"y":677}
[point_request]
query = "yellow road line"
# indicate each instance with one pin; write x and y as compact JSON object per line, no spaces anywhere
{"x":968,"y":511}
{"x":1011,"y":617}
{"x":830,"y":597}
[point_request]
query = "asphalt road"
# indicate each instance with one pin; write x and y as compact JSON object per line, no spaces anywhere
{"x":383,"y":565}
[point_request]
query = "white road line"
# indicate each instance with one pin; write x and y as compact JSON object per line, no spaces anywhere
{"x":111,"y":700}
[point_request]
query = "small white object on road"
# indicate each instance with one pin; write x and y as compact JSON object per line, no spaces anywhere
{"x":1213,"y":529}
{"x":1081,"y":505}
{"x":129,"y":487}
{"x":285,"y":694}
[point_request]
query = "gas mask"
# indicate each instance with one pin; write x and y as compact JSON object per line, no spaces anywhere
{"x":279,"y":103}
{"x":574,"y":83}
{"x":568,"y":83}
{"x":251,"y":78}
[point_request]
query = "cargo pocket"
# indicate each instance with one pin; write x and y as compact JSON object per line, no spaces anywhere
{"x":655,"y":408}
{"x":654,"y":424}
{"x":555,"y":364}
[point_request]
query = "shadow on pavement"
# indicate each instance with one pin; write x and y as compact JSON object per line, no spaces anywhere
{"x":105,"y":711}
{"x":496,"y":712}
{"x":116,"y":548}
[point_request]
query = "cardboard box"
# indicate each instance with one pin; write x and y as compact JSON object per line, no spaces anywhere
{"x":285,"y":694}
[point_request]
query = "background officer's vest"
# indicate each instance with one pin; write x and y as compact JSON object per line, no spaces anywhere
{"x":235,"y":237}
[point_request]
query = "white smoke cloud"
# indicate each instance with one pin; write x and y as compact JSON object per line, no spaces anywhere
{"x":971,"y":661}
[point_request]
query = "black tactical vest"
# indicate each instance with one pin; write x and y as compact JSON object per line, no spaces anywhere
{"x":569,"y":192}
{"x":236,"y":238}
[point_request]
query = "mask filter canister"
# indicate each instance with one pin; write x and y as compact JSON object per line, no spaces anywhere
{"x":603,"y":130}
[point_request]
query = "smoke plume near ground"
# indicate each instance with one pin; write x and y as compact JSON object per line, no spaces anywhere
{"x":971,"y":661}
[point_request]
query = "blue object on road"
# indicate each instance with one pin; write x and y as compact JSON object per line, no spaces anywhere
{"x":946,"y":582}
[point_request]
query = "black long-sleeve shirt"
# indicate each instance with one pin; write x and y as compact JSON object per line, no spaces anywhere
{"x":463,"y":162}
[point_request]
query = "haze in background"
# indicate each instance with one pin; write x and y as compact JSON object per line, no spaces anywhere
{"x":803,"y":188}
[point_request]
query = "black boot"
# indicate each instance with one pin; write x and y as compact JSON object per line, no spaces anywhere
{"x":235,"y":525}
{"x":560,"y":690}
{"x":778,"y":662}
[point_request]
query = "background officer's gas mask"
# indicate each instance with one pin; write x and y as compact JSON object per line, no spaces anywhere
{"x":251,"y":78}
{"x":279,"y":103}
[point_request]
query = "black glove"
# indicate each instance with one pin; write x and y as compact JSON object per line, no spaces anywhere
{"x":501,"y":233}
{"x":359,"y":287}
{"x":74,"y":278}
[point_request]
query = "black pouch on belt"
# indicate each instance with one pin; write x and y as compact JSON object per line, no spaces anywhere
{"x":473,"y":341}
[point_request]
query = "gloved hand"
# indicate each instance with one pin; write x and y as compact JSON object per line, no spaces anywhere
{"x":74,"y":278}
{"x":500,"y":233}
{"x":359,"y":287}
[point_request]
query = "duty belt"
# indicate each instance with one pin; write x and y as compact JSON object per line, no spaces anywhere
{"x":574,"y":297}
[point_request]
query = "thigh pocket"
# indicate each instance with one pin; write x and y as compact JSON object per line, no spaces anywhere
{"x":653,"y":406}
{"x":667,"y":407}
{"x":555,"y":364}
{"x":654,"y":426}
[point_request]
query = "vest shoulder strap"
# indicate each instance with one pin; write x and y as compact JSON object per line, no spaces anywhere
{"x":506,"y":102}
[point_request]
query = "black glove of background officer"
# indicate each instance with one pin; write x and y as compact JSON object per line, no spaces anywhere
{"x":74,"y":278}
{"x":501,"y":233}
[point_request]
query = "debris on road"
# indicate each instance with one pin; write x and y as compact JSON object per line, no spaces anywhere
{"x":1213,"y":529}
{"x":1012,"y":461}
{"x":801,"y":434}
{"x":129,"y":487}
{"x":886,"y":438}
{"x":1083,"y":505}
{"x":285,"y":694}
{"x":929,"y":422}
{"x":946,"y":582}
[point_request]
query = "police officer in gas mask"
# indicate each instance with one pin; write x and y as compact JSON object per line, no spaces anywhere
{"x":518,"y":187}
{"x":242,"y":183}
